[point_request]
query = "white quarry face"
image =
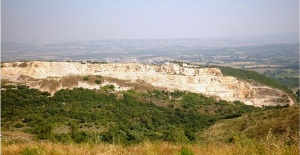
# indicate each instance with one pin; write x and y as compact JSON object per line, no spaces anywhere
{"x":207,"y":81}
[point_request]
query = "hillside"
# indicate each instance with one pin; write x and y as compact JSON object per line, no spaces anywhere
{"x":128,"y":107}
{"x":53,"y":76}
{"x":283,"y":123}
{"x":102,"y":123}
{"x":82,"y":115}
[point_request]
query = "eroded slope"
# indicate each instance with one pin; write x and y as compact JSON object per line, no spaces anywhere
{"x":208,"y":81}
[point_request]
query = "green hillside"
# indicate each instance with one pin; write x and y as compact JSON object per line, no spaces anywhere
{"x":282,"y":123}
{"x":145,"y":115}
{"x":82,"y":115}
{"x":254,"y":76}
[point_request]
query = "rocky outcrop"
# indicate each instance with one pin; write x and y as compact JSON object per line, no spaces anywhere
{"x":208,"y":81}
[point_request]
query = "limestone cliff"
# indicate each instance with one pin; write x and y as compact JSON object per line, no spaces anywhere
{"x":208,"y":81}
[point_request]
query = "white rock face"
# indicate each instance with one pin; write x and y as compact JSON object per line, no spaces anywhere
{"x":207,"y":81}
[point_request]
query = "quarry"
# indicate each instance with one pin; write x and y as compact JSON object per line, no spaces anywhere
{"x":209,"y":81}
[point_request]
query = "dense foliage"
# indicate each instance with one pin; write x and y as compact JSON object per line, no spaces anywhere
{"x":82,"y":115}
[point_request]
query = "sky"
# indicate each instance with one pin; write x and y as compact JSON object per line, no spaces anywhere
{"x":86,"y":20}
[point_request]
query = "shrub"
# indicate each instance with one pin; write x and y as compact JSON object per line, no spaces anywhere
{"x":111,"y":87}
{"x":98,"y":82}
{"x":24,"y":64}
{"x":19,"y":125}
{"x":86,"y":78}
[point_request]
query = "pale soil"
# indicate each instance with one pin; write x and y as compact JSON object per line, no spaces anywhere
{"x":207,"y":81}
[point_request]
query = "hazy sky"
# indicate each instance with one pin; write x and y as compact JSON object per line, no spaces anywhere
{"x":84,"y":20}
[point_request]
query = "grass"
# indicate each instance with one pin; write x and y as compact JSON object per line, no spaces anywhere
{"x":52,"y":85}
{"x":70,"y":81}
{"x":282,"y":122}
{"x":269,"y":146}
{"x":139,"y":86}
{"x":239,"y":144}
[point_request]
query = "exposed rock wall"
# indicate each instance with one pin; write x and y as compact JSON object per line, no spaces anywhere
{"x":208,"y":81}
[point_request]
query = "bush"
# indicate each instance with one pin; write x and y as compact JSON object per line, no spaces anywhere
{"x":19,"y":125}
{"x":108,"y":88}
{"x":98,"y":82}
{"x":24,"y":64}
{"x":86,"y":78}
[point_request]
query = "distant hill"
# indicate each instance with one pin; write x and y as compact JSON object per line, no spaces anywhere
{"x":286,"y":38}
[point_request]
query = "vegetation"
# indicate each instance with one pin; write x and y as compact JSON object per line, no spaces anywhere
{"x":246,"y":74}
{"x":269,"y":146}
{"x":282,"y":123}
{"x":288,"y":77}
{"x":256,"y":77}
{"x":24,"y":64}
{"x":82,"y":121}
{"x":107,"y":88}
{"x":98,"y":81}
{"x":86,"y":78}
{"x":82,"y":115}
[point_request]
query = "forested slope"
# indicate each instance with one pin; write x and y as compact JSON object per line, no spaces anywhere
{"x":82,"y":115}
